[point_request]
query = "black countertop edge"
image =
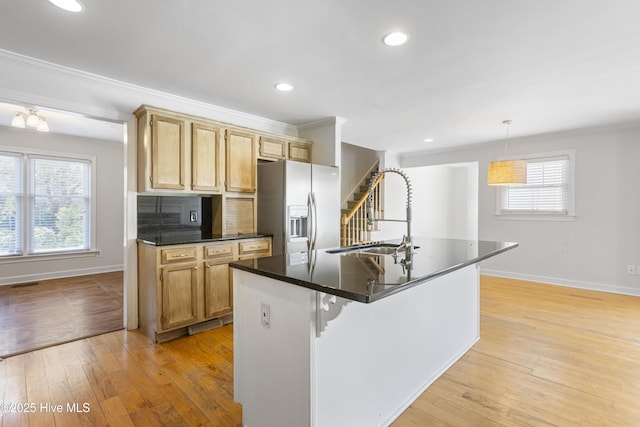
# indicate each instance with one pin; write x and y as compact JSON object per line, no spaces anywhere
{"x":309,"y":285}
{"x":179,"y":241}
{"x":393,"y":289}
{"x":410,"y":284}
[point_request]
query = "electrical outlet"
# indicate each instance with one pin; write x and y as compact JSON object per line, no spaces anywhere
{"x":631,"y":269}
{"x":265,"y":315}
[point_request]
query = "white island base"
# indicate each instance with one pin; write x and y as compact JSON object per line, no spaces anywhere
{"x":356,"y":364}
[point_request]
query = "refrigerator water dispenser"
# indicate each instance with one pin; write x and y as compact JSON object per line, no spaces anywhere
{"x":297,"y":217}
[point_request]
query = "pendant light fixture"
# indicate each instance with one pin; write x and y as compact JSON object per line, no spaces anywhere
{"x":33,"y":120}
{"x":507,"y":172}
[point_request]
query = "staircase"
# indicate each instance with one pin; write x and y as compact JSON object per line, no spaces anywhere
{"x":353,"y":222}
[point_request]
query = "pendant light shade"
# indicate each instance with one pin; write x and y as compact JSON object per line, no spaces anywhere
{"x":33,"y":119}
{"x":507,"y":172}
{"x":43,"y":126}
{"x":18,"y":121}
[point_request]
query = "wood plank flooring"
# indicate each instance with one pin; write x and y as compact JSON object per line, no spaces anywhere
{"x":548,"y":356}
{"x":37,"y":315}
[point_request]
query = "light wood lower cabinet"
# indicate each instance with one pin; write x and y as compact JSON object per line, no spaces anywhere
{"x":217,"y":280}
{"x":179,"y":292}
{"x":217,"y":290}
{"x":184,"y":285}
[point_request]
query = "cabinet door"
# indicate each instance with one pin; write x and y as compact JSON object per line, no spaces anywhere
{"x":167,"y":148}
{"x":179,"y":285}
{"x":300,"y":152}
{"x":205,"y":158}
{"x":273,"y":148}
{"x":217,"y":290}
{"x":241,"y":162}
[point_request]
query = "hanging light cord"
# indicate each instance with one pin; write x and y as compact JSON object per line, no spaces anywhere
{"x":506,"y":143}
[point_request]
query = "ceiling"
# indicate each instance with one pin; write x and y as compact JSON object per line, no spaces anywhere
{"x":548,"y":65}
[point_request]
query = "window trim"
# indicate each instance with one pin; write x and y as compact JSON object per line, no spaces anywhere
{"x":570,"y":214}
{"x":25,"y":154}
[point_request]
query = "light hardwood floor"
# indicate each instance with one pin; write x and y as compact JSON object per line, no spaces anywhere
{"x":548,"y":356}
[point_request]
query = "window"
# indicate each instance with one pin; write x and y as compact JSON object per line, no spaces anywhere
{"x":548,"y":191}
{"x":11,"y":189}
{"x":45,"y":204}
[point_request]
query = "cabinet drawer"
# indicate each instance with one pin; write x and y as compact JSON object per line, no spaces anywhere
{"x":255,"y":247}
{"x":218,"y":251}
{"x":178,"y":254}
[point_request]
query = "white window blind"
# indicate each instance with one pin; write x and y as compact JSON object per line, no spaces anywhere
{"x":546,"y":190}
{"x":59,"y":205}
{"x":11,"y":185}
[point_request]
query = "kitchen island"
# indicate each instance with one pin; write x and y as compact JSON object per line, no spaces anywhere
{"x":352,"y":337}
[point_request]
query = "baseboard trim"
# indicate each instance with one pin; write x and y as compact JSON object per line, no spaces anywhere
{"x":592,"y":286}
{"x":13,"y":280}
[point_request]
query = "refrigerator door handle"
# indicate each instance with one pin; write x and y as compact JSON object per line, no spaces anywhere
{"x":313,"y":221}
{"x":309,"y":222}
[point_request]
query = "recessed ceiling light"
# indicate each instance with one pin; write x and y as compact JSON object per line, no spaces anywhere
{"x":68,"y":5}
{"x":284,"y":87}
{"x":395,"y":39}
{"x":429,"y":140}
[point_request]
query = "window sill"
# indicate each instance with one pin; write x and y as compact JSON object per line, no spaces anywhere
{"x":11,"y":259}
{"x":533,"y":217}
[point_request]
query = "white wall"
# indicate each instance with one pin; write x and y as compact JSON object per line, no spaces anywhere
{"x":445,"y":201}
{"x":356,"y":162}
{"x":326,"y":136}
{"x":593,"y":250}
{"x":394,"y":196}
{"x":109,"y":207}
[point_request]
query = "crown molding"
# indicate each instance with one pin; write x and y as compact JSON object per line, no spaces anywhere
{"x":135,"y":92}
{"x":339,"y":121}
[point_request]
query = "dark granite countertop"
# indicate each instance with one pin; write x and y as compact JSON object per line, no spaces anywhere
{"x":366,"y":277}
{"x":191,"y":236}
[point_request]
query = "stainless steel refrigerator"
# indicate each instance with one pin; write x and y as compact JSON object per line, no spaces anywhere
{"x":299,"y":204}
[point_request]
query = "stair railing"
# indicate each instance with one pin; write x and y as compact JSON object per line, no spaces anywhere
{"x":354,"y":223}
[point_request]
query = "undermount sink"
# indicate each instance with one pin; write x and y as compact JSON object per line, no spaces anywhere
{"x":374,"y":249}
{"x":379,"y":250}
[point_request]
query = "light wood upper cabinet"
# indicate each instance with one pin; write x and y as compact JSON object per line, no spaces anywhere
{"x":205,"y":158}
{"x":300,"y":151}
{"x":272,"y":148}
{"x":179,"y":153}
{"x":167,"y":148}
{"x":241,"y":162}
